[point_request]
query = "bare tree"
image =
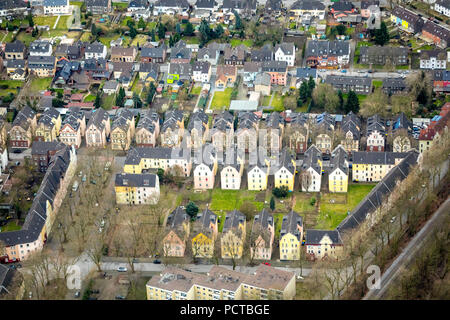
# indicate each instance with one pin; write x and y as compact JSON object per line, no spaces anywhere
{"x":306,"y":179}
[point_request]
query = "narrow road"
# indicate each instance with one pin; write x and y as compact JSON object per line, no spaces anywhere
{"x":409,"y":252}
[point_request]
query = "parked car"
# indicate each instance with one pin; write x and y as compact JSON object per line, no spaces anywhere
{"x":96,"y":291}
{"x":120,"y":297}
{"x":267,"y":264}
{"x":122,"y":269}
{"x":84,"y":178}
{"x":157,"y":261}
{"x":77,"y":294}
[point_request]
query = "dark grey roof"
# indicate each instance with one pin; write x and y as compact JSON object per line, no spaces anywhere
{"x":48,"y":116}
{"x":122,"y":119}
{"x":305,"y":73}
{"x":95,"y":47}
{"x":38,"y":62}
{"x":96,"y":3}
{"x":348,"y":80}
{"x":180,"y":68}
{"x":264,"y":218}
{"x":352,"y":123}
{"x":365,"y":157}
{"x":19,"y":63}
{"x":181,"y":53}
{"x":389,"y":51}
{"x":250,"y":66}
{"x":379,"y":193}
{"x":308,"y":5}
{"x":198,"y":118}
{"x":342,"y":6}
{"x":274,"y":66}
{"x":172,"y":3}
{"x":212,"y":53}
{"x":339,"y":160}
{"x":135,"y":155}
{"x":16,"y":46}
{"x":99,"y":119}
{"x":437,"y":30}
{"x":157,"y":52}
{"x":223,"y":122}
{"x":406,"y":15}
{"x":151,"y":68}
{"x":375,"y":123}
{"x":54,"y":3}
{"x":171,"y":119}
{"x":202,"y":66}
{"x":39,"y":46}
{"x":110,"y":84}
{"x":288,"y":48}
{"x":239,"y":4}
{"x":285,"y":161}
{"x":232,"y":220}
{"x":205,"y":3}
{"x":205,"y":218}
{"x":12,"y":4}
{"x":367,"y":3}
{"x":316,"y":48}
{"x":394,"y":83}
{"x":402,"y":122}
{"x":312,"y":155}
{"x":274,"y":120}
{"x":146,"y":180}
{"x":247,"y":120}
{"x":263,"y":54}
{"x":138,"y":4}
{"x":313,"y":236}
{"x":291,"y":224}
{"x":6,"y":275}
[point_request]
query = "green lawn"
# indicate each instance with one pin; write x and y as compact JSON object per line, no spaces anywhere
{"x":303,"y":202}
{"x":62,"y":23}
{"x":89,"y":98}
{"x":196,"y":90}
{"x":85,"y":36}
{"x":39,"y":84}
{"x":45,"y":20}
{"x":221,"y":99}
{"x":76,"y":3}
{"x":106,"y":40}
{"x":140,"y":38}
{"x":377,"y":83}
{"x":228,"y":200}
{"x":125,"y":21}
{"x":191,"y":40}
{"x":331,"y":214}
{"x":26,"y":38}
{"x":265,"y":101}
{"x":277,"y":102}
{"x":11,"y":226}
{"x":278,"y":217}
{"x":108,"y":101}
{"x":237,"y":42}
{"x":12,"y":87}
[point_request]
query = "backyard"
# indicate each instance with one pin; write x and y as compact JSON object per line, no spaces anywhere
{"x":39,"y":84}
{"x":221,"y":99}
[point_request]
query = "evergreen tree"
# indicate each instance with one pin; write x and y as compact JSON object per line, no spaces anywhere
{"x":97,"y":101}
{"x":192,"y":209}
{"x":311,"y":86}
{"x":30,"y":20}
{"x":94,"y":30}
{"x":352,"y":102}
{"x":189,"y":29}
{"x":178,"y":28}
{"x":304,"y":92}
{"x":382,"y":35}
{"x":272,"y":203}
{"x":137,"y":101}
{"x":205,"y":32}
{"x":238,"y":22}
{"x":133,"y":33}
{"x":341,"y":100}
{"x":151,"y":93}
{"x":141,"y":24}
{"x":161,"y":31}
{"x":219,"y":31}
{"x":120,"y":98}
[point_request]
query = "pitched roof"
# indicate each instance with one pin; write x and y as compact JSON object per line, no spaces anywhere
{"x":314,"y":236}
{"x":312,"y":155}
{"x":291,"y":224}
{"x":232,"y":220}
{"x":308,"y":5}
{"x":146,"y":180}
{"x":316,"y":48}
{"x":287,"y":48}
{"x":135,"y":155}
{"x":16,"y":46}
{"x":177,"y":217}
{"x":437,"y":30}
{"x":339,"y":160}
{"x":365,"y":157}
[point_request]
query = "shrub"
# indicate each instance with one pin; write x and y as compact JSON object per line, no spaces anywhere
{"x":313,"y":201}
{"x":281,"y":192}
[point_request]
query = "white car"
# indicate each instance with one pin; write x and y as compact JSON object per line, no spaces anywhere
{"x":122,"y":269}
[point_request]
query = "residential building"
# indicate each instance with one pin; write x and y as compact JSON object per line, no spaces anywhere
{"x":123,"y":72}
{"x":179,"y":72}
{"x":205,"y":170}
{"x":274,"y":130}
{"x":172,"y":130}
{"x":40,"y":48}
{"x":258,"y":174}
{"x":323,"y":243}
{"x":204,"y":234}
{"x":327,"y":54}
{"x":17,"y":69}
{"x":48,"y":125}
{"x":173,"y":159}
{"x":406,"y":20}
{"x":291,"y":236}
{"x":433,"y":59}
{"x":180,"y":53}
{"x":170,"y":7}
{"x":251,"y":70}
{"x":98,"y":7}
{"x":73,"y":127}
{"x":393,"y":86}
{"x":98,"y":129}
{"x":341,"y":9}
{"x":23,"y":128}
{"x":434,"y":130}
{"x":262,"y":55}
{"x":263,"y":83}
{"x":284,"y":175}
{"x":441,"y":81}
{"x":147,"y":129}
{"x":311,"y":170}
{"x":247,"y":132}
{"x":383,"y":55}
{"x":233,"y":235}
{"x":95,"y":50}
{"x":15,"y":50}
{"x":373,"y":166}
{"x":436,"y":33}
{"x":239,"y":6}
{"x":148,"y":72}
{"x":296,"y":132}
{"x":365,"y":7}
{"x":443,"y":7}
{"x":111,"y":87}
{"x":121,"y":54}
{"x":360,"y":85}
{"x":232,"y":170}
{"x":308,"y":8}
{"x":177,"y":232}
{"x":338,"y":170}
{"x":376,"y":133}
{"x":285,"y":51}
{"x":402,"y":128}
{"x":42,"y":66}
{"x":122,"y":130}
{"x":222,"y":131}
{"x":136,"y":188}
{"x":351,"y":128}
{"x":57,"y":7}
{"x":197,"y":129}
{"x":12,"y":7}
{"x":208,"y":55}
{"x":201,"y":71}
{"x":42,"y":153}
{"x":277,"y":71}
{"x":262,"y":236}
{"x":234,"y":56}
{"x":324,"y":129}
{"x":226,"y":76}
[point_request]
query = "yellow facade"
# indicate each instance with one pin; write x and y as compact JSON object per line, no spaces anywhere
{"x":232,"y":244}
{"x":425,"y":145}
{"x":338,"y":181}
{"x":371,"y":172}
{"x":290,"y":247}
{"x":285,"y":178}
{"x":203,"y":246}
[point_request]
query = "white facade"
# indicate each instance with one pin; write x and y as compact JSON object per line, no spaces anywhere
{"x":316,"y":181}
{"x":3,"y":160}
{"x":280,"y":56}
{"x":433,"y":63}
{"x":200,"y":76}
{"x":57,"y":9}
{"x":441,"y":9}
{"x":325,"y":247}
{"x":47,"y":53}
{"x":375,"y":140}
{"x":96,"y":55}
{"x":257,"y":179}
{"x":230,"y":178}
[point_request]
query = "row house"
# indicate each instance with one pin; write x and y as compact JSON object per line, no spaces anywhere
{"x":201,"y":71}
{"x":180,"y":53}
{"x":147,"y":130}
{"x":13,"y":8}
{"x":322,"y":244}
{"x":73,"y":127}
{"x":262,"y":55}
{"x":327,"y":54}
{"x":284,"y":176}
{"x":57,"y":7}
{"x":20,"y":244}
{"x":382,"y":55}
{"x":406,"y":20}
{"x":110,"y":87}
{"x":179,"y":72}
{"x":154,"y":54}
{"x":43,"y":151}
{"x":351,"y":128}
{"x":95,"y":50}
{"x":232,"y":170}
{"x":40,"y":48}
{"x":122,"y":130}
{"x":48,"y":125}
{"x":207,"y":54}
{"x":433,"y":59}
{"x":373,"y":166}
{"x":144,"y":158}
{"x":123,"y":72}
{"x":176,"y":234}
{"x":204,"y":234}
{"x":434,"y":130}
{"x":197,"y":129}
{"x":42,"y":66}
{"x":222,"y":131}
{"x":171,"y":7}
{"x":274,"y":126}
{"x":247,"y":132}
{"x":98,"y":129}
{"x":308,"y":9}
{"x":136,"y":188}
{"x":262,"y":235}
{"x":441,"y":81}
{"x":402,"y":128}
{"x":338,"y":170}
{"x":342,"y":9}
{"x":311,"y":176}
{"x":226,"y":76}
{"x":263,"y":83}
{"x":277,"y":71}
{"x":443,"y":7}
{"x":436,"y":33}
{"x":172,"y":130}
{"x":376,"y":133}
{"x":74,"y":51}
{"x":360,"y":85}
{"x":17,"y":69}
{"x":258,"y":175}
{"x":23,"y":128}
{"x":121,"y":54}
{"x":240,"y":6}
{"x":98,"y":7}
{"x":325,"y":125}
{"x":297,"y":132}
{"x":233,"y":235}
{"x":392,"y":86}
{"x":251,"y":70}
{"x":285,"y":52}
{"x":291,"y":236}
{"x":205,"y":170}
{"x":235,"y":56}
{"x":15,"y":50}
